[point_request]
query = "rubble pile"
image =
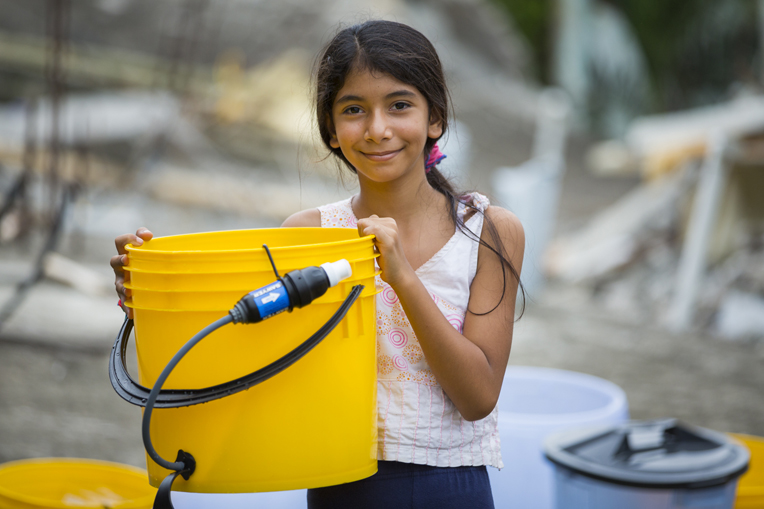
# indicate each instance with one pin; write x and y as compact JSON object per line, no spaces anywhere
{"x":630,"y":256}
{"x":210,"y":112}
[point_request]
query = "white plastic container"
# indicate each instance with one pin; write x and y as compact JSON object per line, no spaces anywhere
{"x":659,"y":464}
{"x":534,"y":403}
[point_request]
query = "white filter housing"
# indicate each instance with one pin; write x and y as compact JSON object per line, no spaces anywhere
{"x":337,"y":271}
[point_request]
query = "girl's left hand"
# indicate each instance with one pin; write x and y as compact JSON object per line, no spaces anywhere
{"x":392,"y":260}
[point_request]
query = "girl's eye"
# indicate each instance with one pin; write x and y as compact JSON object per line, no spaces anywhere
{"x":353,"y":110}
{"x":400,"y":106}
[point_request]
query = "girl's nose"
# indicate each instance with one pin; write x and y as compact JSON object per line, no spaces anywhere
{"x":378,"y":129}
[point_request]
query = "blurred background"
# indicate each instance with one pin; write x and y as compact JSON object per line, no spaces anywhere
{"x":628,"y":135}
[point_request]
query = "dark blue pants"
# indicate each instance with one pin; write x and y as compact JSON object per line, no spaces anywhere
{"x":405,"y":486}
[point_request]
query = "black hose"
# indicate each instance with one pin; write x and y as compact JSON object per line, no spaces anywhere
{"x":196,"y":396}
{"x":132,"y":392}
{"x":158,"y":387}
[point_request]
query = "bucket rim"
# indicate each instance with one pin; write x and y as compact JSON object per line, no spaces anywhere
{"x":130,"y":286}
{"x":141,"y":249}
{"x":186,"y":273}
{"x":556,"y":448}
{"x":129,"y":303}
{"x":618,"y":400}
{"x":31,"y":463}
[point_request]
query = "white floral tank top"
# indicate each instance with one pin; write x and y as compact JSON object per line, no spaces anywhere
{"x":417,"y":421}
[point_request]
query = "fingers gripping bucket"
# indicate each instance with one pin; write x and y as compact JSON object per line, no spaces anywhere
{"x":313,"y":424}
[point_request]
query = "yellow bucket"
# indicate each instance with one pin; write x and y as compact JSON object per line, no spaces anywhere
{"x":52,"y":483}
{"x":313,"y":424}
{"x":750,"y":487}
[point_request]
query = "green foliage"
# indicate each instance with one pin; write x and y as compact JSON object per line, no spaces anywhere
{"x":534,"y":20}
{"x":696,"y":50}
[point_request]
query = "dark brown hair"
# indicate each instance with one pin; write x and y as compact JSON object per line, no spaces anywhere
{"x":399,"y":51}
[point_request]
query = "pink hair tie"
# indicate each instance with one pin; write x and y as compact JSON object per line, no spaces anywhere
{"x":436,"y":156}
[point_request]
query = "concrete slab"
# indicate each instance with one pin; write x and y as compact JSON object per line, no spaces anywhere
{"x":56,"y":316}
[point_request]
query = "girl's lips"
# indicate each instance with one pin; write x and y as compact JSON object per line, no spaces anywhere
{"x":381,"y":156}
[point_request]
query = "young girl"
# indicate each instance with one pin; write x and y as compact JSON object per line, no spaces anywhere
{"x":450,"y":268}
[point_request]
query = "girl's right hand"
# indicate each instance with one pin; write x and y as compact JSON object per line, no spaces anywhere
{"x":392,"y":260}
{"x":120,"y":260}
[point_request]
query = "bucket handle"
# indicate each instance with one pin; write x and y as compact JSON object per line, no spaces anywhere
{"x":136,"y":394}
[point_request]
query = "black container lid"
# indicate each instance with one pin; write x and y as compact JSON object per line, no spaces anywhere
{"x":651,"y":454}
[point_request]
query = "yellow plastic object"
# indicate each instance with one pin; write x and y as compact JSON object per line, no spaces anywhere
{"x":220,"y":281}
{"x":221,"y":301}
{"x":51,"y":483}
{"x":750,"y":487}
{"x":242,"y":251}
{"x":313,"y":424}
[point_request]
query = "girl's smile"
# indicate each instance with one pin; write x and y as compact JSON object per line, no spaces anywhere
{"x":382,"y":156}
{"x":381,"y":125}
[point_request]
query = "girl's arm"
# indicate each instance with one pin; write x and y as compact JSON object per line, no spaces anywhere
{"x":470,"y":366}
{"x":304,"y":218}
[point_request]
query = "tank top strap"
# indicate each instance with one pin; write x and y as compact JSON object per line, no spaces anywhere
{"x":475,"y":199}
{"x":338,"y":215}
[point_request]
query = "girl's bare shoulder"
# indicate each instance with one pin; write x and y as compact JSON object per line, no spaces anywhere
{"x":502,"y":216}
{"x":507,"y":224}
{"x":304,"y":218}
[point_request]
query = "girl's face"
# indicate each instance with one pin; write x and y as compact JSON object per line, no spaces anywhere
{"x":381,"y":125}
